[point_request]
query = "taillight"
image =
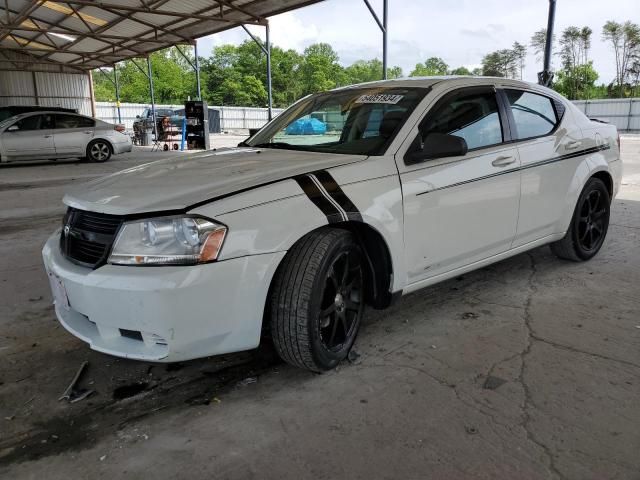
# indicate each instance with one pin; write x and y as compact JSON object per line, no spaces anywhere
{"x":119,"y":128}
{"x":618,"y":141}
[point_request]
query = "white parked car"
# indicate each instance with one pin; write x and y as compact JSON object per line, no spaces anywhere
{"x":50,"y":135}
{"x":350,"y":197}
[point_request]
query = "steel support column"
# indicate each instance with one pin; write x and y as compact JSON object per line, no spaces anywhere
{"x":197,"y":69}
{"x":545,"y":77}
{"x":153,"y":98}
{"x":383,"y":28}
{"x":266,"y":49}
{"x":269,"y":92}
{"x":117,"y":85}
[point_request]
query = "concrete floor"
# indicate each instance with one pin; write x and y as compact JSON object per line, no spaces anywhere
{"x":527,"y":369}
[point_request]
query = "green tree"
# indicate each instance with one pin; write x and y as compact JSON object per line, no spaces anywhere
{"x":432,"y":67}
{"x":394,"y":72}
{"x":625,"y":40}
{"x":364,"y":71}
{"x":520,"y":53}
{"x":320,"y":69}
{"x":501,"y":63}
{"x":574,"y":53}
{"x":173,"y":80}
{"x":460,"y":71}
{"x":583,"y":75}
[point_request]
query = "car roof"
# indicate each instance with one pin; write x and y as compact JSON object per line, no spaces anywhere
{"x":453,"y":81}
{"x":44,"y":112}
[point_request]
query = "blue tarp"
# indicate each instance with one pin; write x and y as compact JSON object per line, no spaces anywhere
{"x":307,"y":126}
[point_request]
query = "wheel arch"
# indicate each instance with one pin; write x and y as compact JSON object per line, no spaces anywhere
{"x":379,"y":265}
{"x":607,"y":179}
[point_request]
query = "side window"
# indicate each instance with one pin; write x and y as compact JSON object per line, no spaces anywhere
{"x":68,"y":121}
{"x":534,"y":114}
{"x":29,"y":123}
{"x":84,"y":122}
{"x":472,"y":116}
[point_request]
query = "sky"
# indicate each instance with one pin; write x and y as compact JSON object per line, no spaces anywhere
{"x":459,"y":31}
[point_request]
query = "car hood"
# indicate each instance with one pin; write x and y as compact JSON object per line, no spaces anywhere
{"x":179,"y":182}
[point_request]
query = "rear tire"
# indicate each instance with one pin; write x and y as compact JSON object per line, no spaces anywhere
{"x":317,"y":300}
{"x":98,"y":151}
{"x":589,"y":224}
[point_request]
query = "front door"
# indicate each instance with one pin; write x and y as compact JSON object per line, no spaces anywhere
{"x":460,"y":210}
{"x":29,"y":138}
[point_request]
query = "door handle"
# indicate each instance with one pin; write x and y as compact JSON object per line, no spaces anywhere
{"x":573,"y":145}
{"x":503,"y":161}
{"x":48,"y":136}
{"x":88,"y":132}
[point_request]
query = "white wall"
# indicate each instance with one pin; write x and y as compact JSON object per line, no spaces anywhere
{"x":624,"y":113}
{"x":231,"y":118}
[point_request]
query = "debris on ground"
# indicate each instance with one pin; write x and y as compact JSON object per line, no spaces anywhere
{"x":470,"y":429}
{"x":247,"y":381}
{"x":353,"y":357}
{"x":74,"y":394}
{"x":493,"y":383}
{"x":468,"y":315}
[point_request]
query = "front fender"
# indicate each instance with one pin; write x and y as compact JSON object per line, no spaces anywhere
{"x":282,"y":213}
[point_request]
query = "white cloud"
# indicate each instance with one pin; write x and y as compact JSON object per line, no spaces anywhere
{"x":459,"y":31}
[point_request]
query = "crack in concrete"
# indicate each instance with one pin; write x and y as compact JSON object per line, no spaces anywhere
{"x":528,"y":401}
{"x":569,"y":348}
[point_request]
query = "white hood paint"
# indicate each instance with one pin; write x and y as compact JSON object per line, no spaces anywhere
{"x":179,"y":182}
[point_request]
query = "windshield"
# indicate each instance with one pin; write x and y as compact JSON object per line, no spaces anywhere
{"x":8,"y":121}
{"x":360,"y":121}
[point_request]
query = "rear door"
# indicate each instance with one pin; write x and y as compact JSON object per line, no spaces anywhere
{"x":71,"y":135}
{"x":550,"y":152}
{"x":30,"y":138}
{"x":460,"y":210}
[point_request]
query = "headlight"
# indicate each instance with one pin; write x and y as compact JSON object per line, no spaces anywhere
{"x":168,"y":241}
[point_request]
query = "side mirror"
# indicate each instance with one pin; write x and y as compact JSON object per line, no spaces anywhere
{"x":438,"y":145}
{"x":137,"y":116}
{"x":13,"y":128}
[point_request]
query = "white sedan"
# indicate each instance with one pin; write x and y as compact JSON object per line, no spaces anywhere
{"x":50,"y":135}
{"x":350,"y":197}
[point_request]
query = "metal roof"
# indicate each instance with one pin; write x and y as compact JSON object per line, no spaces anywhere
{"x":82,"y":35}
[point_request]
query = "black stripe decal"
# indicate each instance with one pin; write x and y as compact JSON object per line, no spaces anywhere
{"x":332,"y":187}
{"x":315,"y":195}
{"x":548,"y":161}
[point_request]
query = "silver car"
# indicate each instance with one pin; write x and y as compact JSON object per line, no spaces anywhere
{"x":52,"y":135}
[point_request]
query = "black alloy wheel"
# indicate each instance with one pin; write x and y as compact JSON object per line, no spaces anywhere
{"x":589,"y":224}
{"x":317,"y":300}
{"x":342,"y":301}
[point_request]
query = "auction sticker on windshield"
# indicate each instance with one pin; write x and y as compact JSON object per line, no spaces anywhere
{"x":380,"y":98}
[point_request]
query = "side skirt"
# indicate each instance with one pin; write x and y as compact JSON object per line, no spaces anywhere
{"x":481,"y":263}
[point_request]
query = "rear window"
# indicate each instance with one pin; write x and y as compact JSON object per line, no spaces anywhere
{"x":534,"y":114}
{"x":73,"y":121}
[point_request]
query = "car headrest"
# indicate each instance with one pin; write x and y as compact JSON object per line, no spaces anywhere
{"x":390,"y":122}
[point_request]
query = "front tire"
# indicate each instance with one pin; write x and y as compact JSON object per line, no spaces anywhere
{"x":317,"y":300}
{"x":589,"y":224}
{"x":98,"y":151}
